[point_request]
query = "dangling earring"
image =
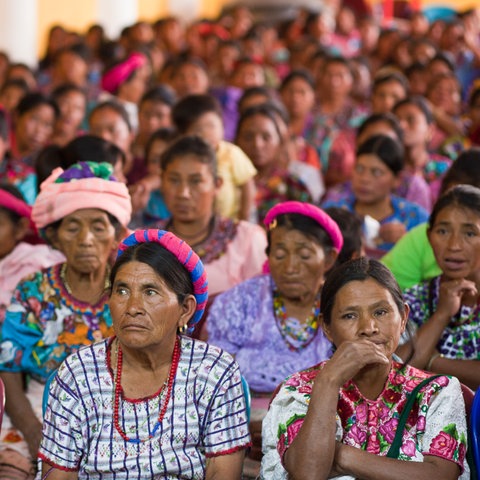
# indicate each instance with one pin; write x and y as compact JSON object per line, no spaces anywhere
{"x":182,"y":330}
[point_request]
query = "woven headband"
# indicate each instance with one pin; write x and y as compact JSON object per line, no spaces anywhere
{"x":308,"y":210}
{"x":185,"y":255}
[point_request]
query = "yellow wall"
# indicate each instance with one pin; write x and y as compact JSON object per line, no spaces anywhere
{"x":74,"y":15}
{"x":211,"y":8}
{"x":151,"y":10}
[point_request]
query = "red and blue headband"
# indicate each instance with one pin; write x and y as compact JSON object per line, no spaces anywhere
{"x":185,"y":255}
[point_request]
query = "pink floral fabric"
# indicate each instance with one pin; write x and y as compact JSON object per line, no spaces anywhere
{"x":436,"y":424}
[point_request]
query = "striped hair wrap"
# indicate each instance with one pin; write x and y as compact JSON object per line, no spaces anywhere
{"x":185,"y":255}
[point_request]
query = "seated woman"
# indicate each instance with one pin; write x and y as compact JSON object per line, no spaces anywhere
{"x":270,"y":322}
{"x":379,"y":161}
{"x":82,"y":212}
{"x":444,"y":311}
{"x":148,"y":402}
{"x":232,"y":251}
{"x":411,"y":260}
{"x":355,"y":399}
{"x":260,"y":136}
{"x":18,"y":257}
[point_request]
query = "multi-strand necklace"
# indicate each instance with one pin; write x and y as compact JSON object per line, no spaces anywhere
{"x":163,"y":402}
{"x":296,"y":338}
{"x":68,"y":288}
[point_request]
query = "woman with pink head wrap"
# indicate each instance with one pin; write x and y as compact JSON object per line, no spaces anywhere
{"x":270,"y":322}
{"x":127,"y":81}
{"x":82,"y":212}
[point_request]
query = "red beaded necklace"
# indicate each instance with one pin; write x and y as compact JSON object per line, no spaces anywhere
{"x":118,"y":392}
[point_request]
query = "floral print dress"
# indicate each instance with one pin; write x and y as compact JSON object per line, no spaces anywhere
{"x":43,"y":325}
{"x":436,"y":424}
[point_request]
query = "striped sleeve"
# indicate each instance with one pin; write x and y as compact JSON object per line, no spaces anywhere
{"x":62,"y":442}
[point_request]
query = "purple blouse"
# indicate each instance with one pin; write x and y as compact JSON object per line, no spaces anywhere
{"x":242,"y":322}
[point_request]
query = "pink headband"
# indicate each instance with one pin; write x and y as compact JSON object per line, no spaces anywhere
{"x":10,"y":202}
{"x":113,"y":78}
{"x":185,"y":255}
{"x":308,"y":210}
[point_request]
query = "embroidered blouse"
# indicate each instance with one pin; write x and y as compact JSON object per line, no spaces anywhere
{"x":436,"y":425}
{"x":461,"y":337}
{"x":205,"y":417}
{"x":44,"y":324}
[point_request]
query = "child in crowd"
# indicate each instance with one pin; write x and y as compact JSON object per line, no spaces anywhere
{"x":201,"y":115}
{"x":154,"y":112}
{"x":17,"y":257}
{"x":388,"y":88}
{"x":416,"y":120}
{"x":72,"y":103}
{"x":386,"y":217}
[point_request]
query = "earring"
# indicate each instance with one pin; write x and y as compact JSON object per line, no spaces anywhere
{"x":182,"y":330}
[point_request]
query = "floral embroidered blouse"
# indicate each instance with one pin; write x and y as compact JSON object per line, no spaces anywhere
{"x":44,"y":324}
{"x":461,"y":337}
{"x":436,"y":425}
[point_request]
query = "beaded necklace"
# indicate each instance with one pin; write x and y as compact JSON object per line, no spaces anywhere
{"x":163,"y":407}
{"x":300,"y":337}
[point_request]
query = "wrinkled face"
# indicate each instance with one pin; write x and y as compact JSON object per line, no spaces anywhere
{"x":189,"y":189}
{"x":297,"y":263}
{"x":366,"y":311}
{"x":72,"y":107}
{"x":298,"y":96}
{"x":152,"y":116}
{"x":34,"y":128}
{"x":108,"y":124}
{"x":416,"y":130}
{"x":145,"y":311}
{"x":455,"y":240}
{"x":86,"y":238}
{"x":372,"y":180}
{"x":386,"y":95}
{"x":209,"y":127}
{"x":259,"y":139}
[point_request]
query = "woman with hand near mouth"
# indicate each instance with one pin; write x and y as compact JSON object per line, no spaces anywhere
{"x":341,"y":418}
{"x":445,"y":310}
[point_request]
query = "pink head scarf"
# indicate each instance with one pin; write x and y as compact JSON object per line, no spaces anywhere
{"x":83,"y":185}
{"x":115,"y":76}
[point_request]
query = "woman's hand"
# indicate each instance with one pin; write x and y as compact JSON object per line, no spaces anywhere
{"x":392,"y":232}
{"x":351,"y":357}
{"x":453,"y":294}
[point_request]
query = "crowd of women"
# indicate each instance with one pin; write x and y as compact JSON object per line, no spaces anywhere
{"x":240,"y":238}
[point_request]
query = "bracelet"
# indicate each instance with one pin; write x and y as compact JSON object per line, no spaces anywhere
{"x":432,"y":359}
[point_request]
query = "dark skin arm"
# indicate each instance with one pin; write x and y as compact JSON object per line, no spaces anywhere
{"x":453,"y":294}
{"x":20,"y":411}
{"x":225,"y":466}
{"x":56,"y":474}
{"x":302,"y":460}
